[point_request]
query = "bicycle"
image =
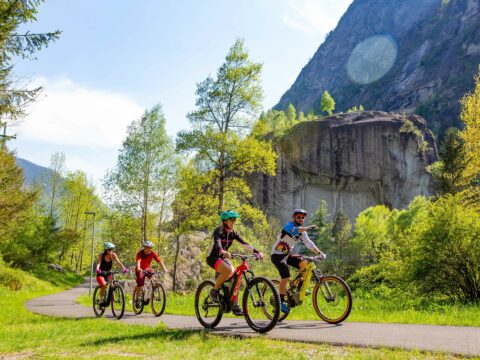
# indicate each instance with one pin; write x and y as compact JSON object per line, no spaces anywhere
{"x":332,"y":298}
{"x":115,"y":296}
{"x":261,"y":302}
{"x":152,"y":293}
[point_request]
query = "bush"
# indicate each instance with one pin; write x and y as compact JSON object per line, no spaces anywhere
{"x":11,"y":278}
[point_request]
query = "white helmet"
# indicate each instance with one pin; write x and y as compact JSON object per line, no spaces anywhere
{"x":147,"y":243}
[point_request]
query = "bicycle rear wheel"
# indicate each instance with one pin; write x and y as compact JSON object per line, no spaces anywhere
{"x":158,"y":299}
{"x":118,"y":301}
{"x":97,"y":300}
{"x":261,"y":304}
{"x":208,"y":312}
{"x":283,"y":315}
{"x":137,"y":301}
{"x":332,"y":299}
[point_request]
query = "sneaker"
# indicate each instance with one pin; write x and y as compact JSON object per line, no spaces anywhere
{"x":145,"y":302}
{"x":214,"y":295}
{"x":237,"y":310}
{"x":284,"y":307}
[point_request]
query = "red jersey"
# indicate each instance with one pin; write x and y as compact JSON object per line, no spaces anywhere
{"x":146,"y":259}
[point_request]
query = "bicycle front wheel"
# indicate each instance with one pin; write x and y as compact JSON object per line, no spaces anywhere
{"x":118,"y":302}
{"x":137,"y":301}
{"x":332,"y":299}
{"x":209,"y":312}
{"x":97,"y":300}
{"x":261,"y":304}
{"x":158,"y":299}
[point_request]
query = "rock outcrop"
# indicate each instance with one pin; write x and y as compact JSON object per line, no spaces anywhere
{"x":435,"y":47}
{"x":352,"y":160}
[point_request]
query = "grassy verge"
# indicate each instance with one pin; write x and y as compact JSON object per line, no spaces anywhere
{"x":26,"y":335}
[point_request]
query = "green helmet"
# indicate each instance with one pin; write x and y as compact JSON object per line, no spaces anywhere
{"x":229,"y":215}
{"x":108,"y":245}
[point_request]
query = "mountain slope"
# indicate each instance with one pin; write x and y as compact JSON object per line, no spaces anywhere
{"x":437,"y":45}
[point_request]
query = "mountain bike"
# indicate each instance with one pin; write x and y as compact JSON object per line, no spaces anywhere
{"x":261,"y":302}
{"x":152,"y":292}
{"x":113,"y":295}
{"x":332,"y":298}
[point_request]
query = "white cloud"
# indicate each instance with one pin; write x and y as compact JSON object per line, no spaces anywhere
{"x":70,"y":114}
{"x":314,"y":16}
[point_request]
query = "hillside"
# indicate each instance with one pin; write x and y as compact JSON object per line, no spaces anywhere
{"x":403,"y":56}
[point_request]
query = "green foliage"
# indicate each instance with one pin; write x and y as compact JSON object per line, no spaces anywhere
{"x":409,"y":127}
{"x":446,"y":260}
{"x":144,"y":169}
{"x":355,"y":109}
{"x":470,"y":116}
{"x":327,"y":104}
{"x":448,"y":171}
{"x":15,"y":13}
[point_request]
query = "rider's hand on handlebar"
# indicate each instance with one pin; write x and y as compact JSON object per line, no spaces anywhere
{"x":126,"y":271}
{"x":322,"y":255}
{"x":98,"y":271}
{"x":311,"y":227}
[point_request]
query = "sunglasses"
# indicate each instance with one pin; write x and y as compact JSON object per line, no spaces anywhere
{"x":299,"y":217}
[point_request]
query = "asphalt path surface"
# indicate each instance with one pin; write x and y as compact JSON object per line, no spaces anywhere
{"x":460,"y":340}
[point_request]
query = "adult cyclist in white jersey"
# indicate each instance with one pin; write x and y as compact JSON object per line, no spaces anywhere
{"x":282,"y":256}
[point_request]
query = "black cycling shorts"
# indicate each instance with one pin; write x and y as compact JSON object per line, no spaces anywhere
{"x":212,"y":260}
{"x":282,"y":266}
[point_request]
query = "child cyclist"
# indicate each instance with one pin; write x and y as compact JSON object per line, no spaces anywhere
{"x":282,"y":256}
{"x":144,"y":259}
{"x":223,"y":237}
{"x":105,"y":264}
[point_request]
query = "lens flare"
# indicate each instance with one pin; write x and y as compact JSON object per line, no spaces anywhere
{"x":371,"y":59}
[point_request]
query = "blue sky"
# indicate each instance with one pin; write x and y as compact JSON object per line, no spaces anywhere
{"x":116,"y":58}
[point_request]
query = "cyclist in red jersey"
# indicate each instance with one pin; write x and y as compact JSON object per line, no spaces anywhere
{"x":144,"y":259}
{"x":105,"y":264}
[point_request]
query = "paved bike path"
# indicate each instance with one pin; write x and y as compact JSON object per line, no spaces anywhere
{"x":452,"y":339}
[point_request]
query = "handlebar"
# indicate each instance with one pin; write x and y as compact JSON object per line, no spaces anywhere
{"x":245,"y":257}
{"x":314,"y":258}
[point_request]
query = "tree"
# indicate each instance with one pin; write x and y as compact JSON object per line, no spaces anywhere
{"x":55,"y":179}
{"x":449,"y":170}
{"x":226,"y":106}
{"x":291,"y":115}
{"x":15,"y":199}
{"x":470,"y":115}
{"x":144,"y":163}
{"x":327,"y":103}
{"x":15,"y":13}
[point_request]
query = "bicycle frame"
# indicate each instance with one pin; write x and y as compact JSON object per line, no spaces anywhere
{"x":109,"y":290}
{"x":233,"y":290}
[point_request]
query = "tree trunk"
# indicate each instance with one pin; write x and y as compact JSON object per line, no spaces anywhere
{"x":175,"y":262}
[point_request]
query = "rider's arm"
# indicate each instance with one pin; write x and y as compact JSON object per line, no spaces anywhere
{"x":159,"y":261}
{"x":217,"y":242}
{"x":245,"y":244}
{"x":309,"y":243}
{"x":137,"y":267}
{"x":115,"y":257}
{"x":99,"y":261}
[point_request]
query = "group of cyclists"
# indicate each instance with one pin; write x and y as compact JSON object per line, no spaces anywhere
{"x":223,"y":236}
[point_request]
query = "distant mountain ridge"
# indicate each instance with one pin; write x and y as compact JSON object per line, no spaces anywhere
{"x":438,"y":55}
{"x":32,"y":172}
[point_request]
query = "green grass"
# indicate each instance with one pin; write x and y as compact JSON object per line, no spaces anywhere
{"x":26,"y":335}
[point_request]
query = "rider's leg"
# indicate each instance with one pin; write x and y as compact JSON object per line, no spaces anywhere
{"x":225,"y":271}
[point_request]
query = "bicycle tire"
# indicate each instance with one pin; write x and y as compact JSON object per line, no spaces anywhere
{"x":283,"y":315}
{"x":255,"y":291}
{"x":137,"y":304}
{"x":329,"y":284}
{"x":97,"y":299}
{"x":203,"y":302}
{"x":117,"y":301}
{"x":161,"y":300}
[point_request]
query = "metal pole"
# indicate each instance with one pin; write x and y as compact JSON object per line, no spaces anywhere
{"x":93,"y":240}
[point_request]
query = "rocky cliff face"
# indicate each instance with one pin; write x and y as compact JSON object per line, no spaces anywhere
{"x":352,"y":161}
{"x":416,"y":56}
